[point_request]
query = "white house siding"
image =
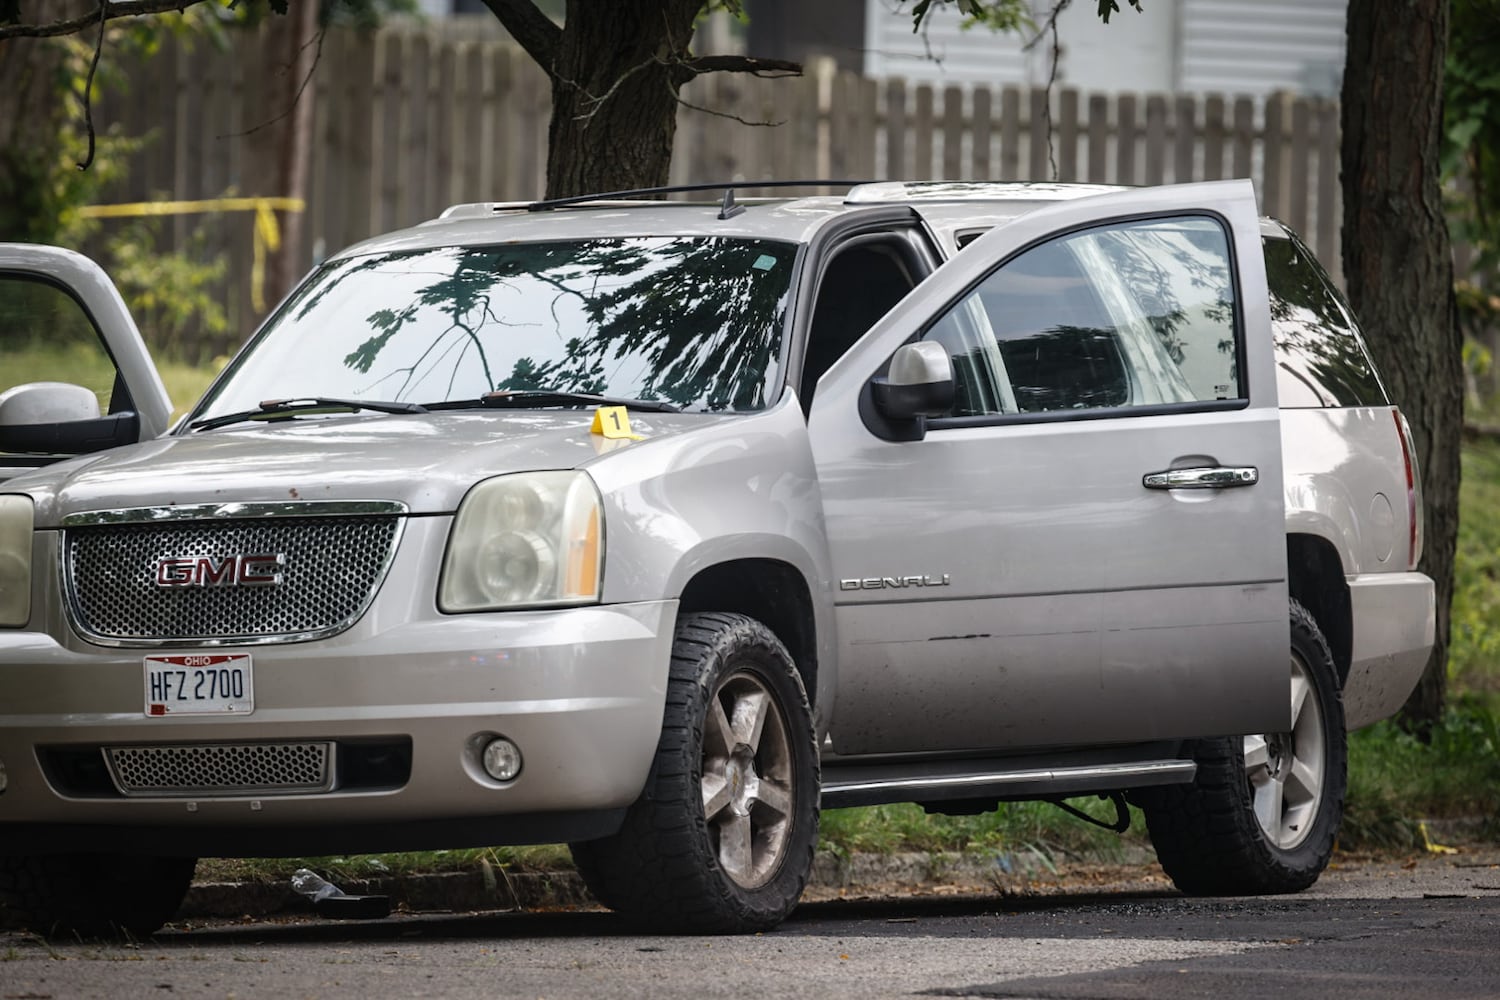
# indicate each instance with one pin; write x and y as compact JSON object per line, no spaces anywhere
{"x":1258,"y":46}
{"x":1185,"y":46}
{"x":949,"y":55}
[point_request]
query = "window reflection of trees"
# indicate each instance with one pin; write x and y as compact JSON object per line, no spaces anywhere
{"x":693,"y":321}
{"x":1067,"y":368}
{"x":1316,"y":340}
{"x":1153,"y":258}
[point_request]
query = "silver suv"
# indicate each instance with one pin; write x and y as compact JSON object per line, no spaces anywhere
{"x":653,"y":526}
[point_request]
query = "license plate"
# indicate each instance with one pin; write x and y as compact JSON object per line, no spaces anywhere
{"x":200,"y":684}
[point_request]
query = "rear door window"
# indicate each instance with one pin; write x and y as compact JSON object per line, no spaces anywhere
{"x":1321,"y":360}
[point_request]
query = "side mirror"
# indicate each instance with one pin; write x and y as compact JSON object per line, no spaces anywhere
{"x":58,"y":418}
{"x":47,"y":403}
{"x":919,"y":384}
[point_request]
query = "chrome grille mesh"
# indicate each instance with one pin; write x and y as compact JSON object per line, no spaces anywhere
{"x":223,"y":768}
{"x":333,"y":566}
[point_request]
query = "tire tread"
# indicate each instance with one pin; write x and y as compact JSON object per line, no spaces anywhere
{"x":653,"y":870}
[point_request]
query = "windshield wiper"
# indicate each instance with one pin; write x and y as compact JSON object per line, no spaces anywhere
{"x":525,"y":398}
{"x":272,"y":408}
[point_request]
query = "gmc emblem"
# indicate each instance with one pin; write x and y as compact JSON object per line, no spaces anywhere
{"x":260,"y":570}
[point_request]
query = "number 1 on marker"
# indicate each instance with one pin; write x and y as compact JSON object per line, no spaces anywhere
{"x":613,"y":422}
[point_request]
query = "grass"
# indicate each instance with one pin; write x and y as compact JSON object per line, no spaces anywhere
{"x":89,"y":367}
{"x":1036,"y":828}
{"x":1474,"y":657}
{"x":1395,"y":780}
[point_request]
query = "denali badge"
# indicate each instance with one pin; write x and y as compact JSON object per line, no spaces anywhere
{"x":260,"y":570}
{"x":882,"y":582}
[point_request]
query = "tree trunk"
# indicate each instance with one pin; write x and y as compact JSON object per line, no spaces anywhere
{"x":614,"y":95}
{"x":1399,"y":268}
{"x":292,"y":51}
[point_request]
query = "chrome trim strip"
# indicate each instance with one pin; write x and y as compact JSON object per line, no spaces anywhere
{"x":70,"y":606}
{"x":1156,"y":768}
{"x":932,"y":598}
{"x":228,"y":511}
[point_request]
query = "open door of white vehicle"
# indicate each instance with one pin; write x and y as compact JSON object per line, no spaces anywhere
{"x":75,"y":375}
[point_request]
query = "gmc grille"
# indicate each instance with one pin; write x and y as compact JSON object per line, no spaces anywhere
{"x":332,"y":569}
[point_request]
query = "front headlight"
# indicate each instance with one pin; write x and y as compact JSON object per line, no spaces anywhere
{"x":15,"y":560}
{"x":529,"y":540}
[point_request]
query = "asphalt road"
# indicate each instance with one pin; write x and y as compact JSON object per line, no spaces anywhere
{"x":1417,"y":929}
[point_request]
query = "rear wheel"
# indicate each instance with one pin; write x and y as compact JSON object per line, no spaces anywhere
{"x":721,"y":839}
{"x":1264,"y":811}
{"x":92,"y":895}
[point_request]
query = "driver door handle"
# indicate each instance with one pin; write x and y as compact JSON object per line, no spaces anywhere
{"x":1216,"y":477}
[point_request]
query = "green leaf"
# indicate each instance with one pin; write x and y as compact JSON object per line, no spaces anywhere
{"x":1108,"y":7}
{"x":1464,"y":132}
{"x":918,"y":12}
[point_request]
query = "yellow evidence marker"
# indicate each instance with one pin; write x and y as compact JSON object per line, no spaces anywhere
{"x":613,"y":422}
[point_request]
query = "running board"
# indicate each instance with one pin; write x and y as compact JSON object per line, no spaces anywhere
{"x":877,"y":784}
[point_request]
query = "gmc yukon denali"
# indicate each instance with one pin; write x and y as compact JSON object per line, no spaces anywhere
{"x":654,"y":526}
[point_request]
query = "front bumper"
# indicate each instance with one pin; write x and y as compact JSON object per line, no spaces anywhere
{"x":580,"y":691}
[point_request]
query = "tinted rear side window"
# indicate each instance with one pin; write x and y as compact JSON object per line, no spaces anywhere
{"x":1320,"y":358}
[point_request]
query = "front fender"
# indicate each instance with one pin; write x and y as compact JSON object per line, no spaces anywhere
{"x":744,"y":489}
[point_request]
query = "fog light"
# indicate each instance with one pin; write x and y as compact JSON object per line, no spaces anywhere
{"x":501,"y":759}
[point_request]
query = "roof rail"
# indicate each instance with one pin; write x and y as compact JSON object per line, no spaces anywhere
{"x":551,"y":203}
{"x":480,"y":209}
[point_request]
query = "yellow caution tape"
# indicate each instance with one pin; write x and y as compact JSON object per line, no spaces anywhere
{"x":1431,"y":847}
{"x":267,"y":234}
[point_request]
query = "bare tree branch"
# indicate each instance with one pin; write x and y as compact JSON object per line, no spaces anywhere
{"x":317,"y":43}
{"x":533,"y":30}
{"x":725,"y":114}
{"x":88,"y":92}
{"x":742,"y":64}
{"x":1050,"y":28}
{"x":108,"y":10}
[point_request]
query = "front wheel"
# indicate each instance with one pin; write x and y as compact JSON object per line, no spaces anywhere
{"x":1264,"y":811}
{"x":721,"y":840}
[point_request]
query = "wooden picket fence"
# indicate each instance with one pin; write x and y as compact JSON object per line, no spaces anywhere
{"x":407,"y":123}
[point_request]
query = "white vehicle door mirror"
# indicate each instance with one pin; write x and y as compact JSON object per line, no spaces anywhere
{"x":46,"y":402}
{"x":56,"y":418}
{"x":919,"y":383}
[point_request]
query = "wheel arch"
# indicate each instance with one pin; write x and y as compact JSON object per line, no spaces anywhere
{"x":771,"y":591}
{"x":1316,"y":580}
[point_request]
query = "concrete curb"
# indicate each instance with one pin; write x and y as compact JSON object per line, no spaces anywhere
{"x":834,"y":874}
{"x":497,"y":889}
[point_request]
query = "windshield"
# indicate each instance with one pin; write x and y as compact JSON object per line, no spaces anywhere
{"x":693,"y":321}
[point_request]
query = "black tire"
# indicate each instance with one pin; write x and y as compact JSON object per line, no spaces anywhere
{"x":92,"y":895}
{"x":1208,"y":836}
{"x":591,"y":870}
{"x":738,"y":862}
